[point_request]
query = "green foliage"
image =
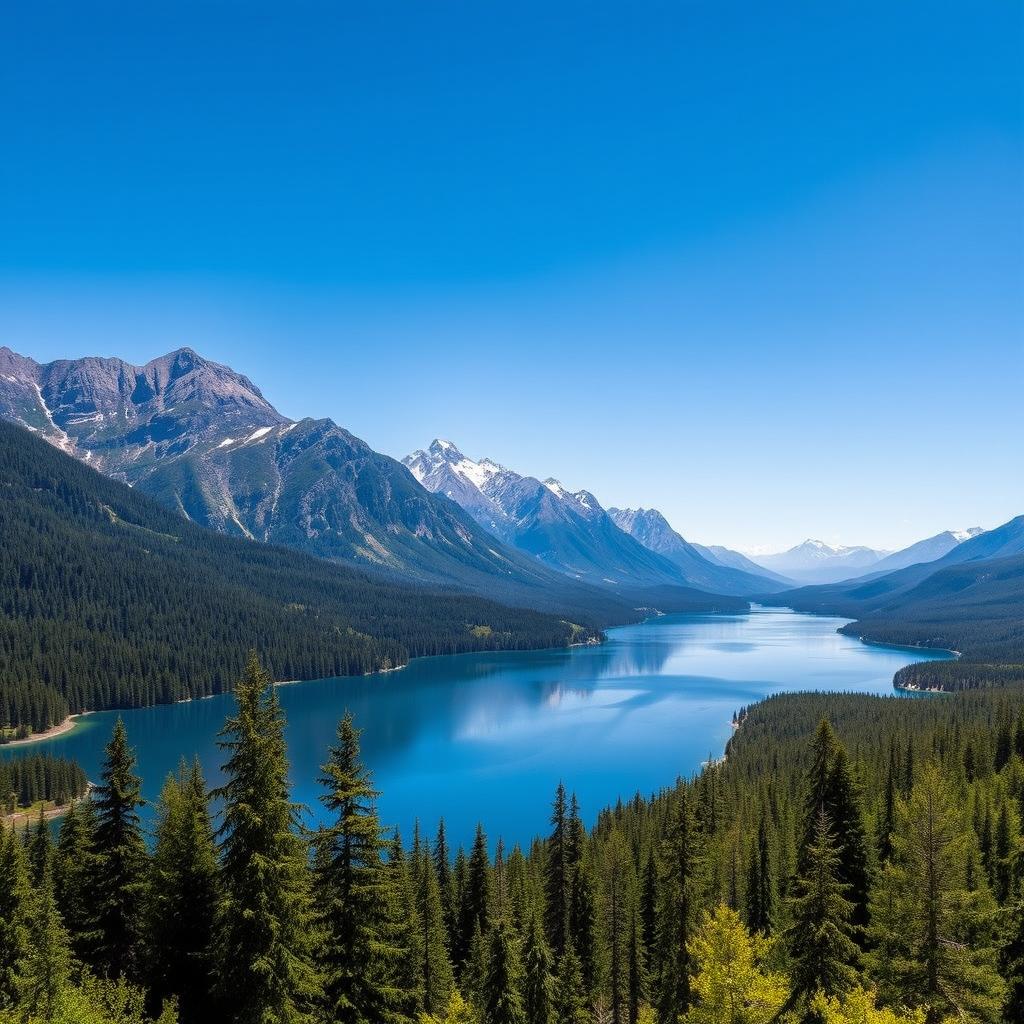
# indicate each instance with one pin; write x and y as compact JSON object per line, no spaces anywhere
{"x":264,"y":971}
{"x":118,"y":867}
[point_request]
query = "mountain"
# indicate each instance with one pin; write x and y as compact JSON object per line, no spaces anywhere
{"x":726,"y":556}
{"x":566,"y":531}
{"x":202,"y":440}
{"x":927,"y":550}
{"x":814,"y":561}
{"x":112,"y":600}
{"x":971,"y":600}
{"x":652,"y":529}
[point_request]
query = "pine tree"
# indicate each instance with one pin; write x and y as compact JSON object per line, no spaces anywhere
{"x":263,"y":934}
{"x":119,"y":864}
{"x":637,"y":969}
{"x":537,"y":980}
{"x":1012,"y":963}
{"x":823,"y":953}
{"x":617,"y":899}
{"x":48,"y":965}
{"x":73,"y":870}
{"x":405,"y":935}
{"x":436,"y":968}
{"x":677,"y":913}
{"x":501,"y":997}
{"x":583,"y":925}
{"x":929,"y":952}
{"x":477,"y":900}
{"x":355,"y":892}
{"x":570,"y":995}
{"x":557,"y":875}
{"x":844,"y":806}
{"x":182,"y":897}
{"x":446,"y":890}
{"x":40,"y":850}
{"x":731,"y":981}
{"x":760,"y":903}
{"x":15,"y":917}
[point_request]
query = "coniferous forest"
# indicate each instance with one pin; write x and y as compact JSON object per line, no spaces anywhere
{"x":851,"y":859}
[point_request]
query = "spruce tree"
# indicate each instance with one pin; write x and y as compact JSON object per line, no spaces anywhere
{"x":73,"y":871}
{"x":355,"y":893}
{"x":405,"y":936}
{"x":929,"y":949}
{"x":1012,"y":964}
{"x":118,"y":868}
{"x":557,"y":875}
{"x":760,"y":902}
{"x":678,"y":911}
{"x":264,"y":974}
{"x":40,"y":850}
{"x":182,"y":897}
{"x":476,"y":903}
{"x":436,"y":968}
{"x":583,"y":926}
{"x":570,"y":1002}
{"x":48,"y":965}
{"x":823,"y":954}
{"x":618,"y":916}
{"x":502,"y":1001}
{"x":446,"y":890}
{"x":15,"y":917}
{"x":844,"y":806}
{"x":537,"y":980}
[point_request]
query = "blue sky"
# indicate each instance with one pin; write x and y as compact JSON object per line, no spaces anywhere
{"x":758,"y":265}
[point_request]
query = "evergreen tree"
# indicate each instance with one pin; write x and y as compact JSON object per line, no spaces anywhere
{"x":359,"y":958}
{"x":73,"y":870}
{"x":405,"y":936}
{"x":501,"y":997}
{"x":48,"y":965}
{"x":1012,"y":963}
{"x":583,"y":926}
{"x":677,"y":913}
{"x":118,"y":867}
{"x":182,"y":897}
{"x":760,"y":903}
{"x":537,"y":980}
{"x":446,"y":890}
{"x":557,"y":875}
{"x":476,"y":903}
{"x":823,"y":953}
{"x":928,"y":951}
{"x":263,"y":929}
{"x":570,"y":1003}
{"x":436,"y":968}
{"x":15,"y":917}
{"x":819,"y":780}
{"x":40,"y":850}
{"x":474,"y":973}
{"x":732,"y":983}
{"x":843,"y":804}
{"x":637,"y":970}
{"x":618,"y":915}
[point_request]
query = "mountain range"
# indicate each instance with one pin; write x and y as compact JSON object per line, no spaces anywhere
{"x":202,"y":440}
{"x":570,"y":531}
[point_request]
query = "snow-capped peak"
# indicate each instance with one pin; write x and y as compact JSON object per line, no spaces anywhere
{"x":961,"y":535}
{"x":555,"y":488}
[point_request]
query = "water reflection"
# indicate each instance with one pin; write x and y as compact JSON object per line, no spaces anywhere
{"x":489,"y":736}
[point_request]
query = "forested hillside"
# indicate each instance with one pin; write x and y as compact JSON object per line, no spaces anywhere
{"x":853,"y":860}
{"x":109,"y":600}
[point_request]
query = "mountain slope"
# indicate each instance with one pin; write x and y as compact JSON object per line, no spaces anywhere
{"x":566,"y":531}
{"x":652,"y":529}
{"x":927,"y":550}
{"x":108,"y":600}
{"x":734,"y":560}
{"x":203,"y":440}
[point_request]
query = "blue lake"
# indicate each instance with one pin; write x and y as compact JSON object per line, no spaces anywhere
{"x":488,"y":736}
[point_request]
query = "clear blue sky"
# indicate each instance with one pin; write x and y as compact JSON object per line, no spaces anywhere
{"x":758,"y":265}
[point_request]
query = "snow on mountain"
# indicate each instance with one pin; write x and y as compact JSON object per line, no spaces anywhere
{"x":814,"y":561}
{"x":567,"y":530}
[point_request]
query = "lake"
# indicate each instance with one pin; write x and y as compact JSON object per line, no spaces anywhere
{"x":489,"y":736}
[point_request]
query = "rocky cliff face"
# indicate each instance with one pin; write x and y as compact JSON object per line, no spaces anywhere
{"x":202,"y":439}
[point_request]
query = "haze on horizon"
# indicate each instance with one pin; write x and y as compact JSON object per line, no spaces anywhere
{"x":635,"y":253}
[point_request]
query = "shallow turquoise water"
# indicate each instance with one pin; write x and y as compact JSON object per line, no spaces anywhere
{"x":488,"y":736}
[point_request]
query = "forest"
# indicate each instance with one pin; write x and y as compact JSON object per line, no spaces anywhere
{"x":851,"y":860}
{"x":108,"y":600}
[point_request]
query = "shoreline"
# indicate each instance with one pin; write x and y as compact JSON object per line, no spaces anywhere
{"x":62,"y":729}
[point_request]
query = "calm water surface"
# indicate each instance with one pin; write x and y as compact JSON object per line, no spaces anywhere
{"x":488,"y":736}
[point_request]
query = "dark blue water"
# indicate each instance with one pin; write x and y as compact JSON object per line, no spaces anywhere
{"x":488,"y":736}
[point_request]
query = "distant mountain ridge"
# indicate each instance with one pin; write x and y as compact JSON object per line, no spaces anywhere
{"x":203,"y":440}
{"x":814,"y":561}
{"x":653,"y":530}
{"x":566,"y":531}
